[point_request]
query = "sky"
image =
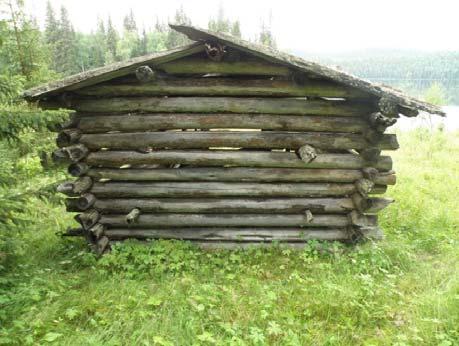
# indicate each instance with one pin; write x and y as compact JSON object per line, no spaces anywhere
{"x":298,"y":26}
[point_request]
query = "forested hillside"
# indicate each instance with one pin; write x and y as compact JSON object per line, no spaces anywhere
{"x":414,"y":72}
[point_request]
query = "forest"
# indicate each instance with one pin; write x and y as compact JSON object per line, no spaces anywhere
{"x":403,"y":290}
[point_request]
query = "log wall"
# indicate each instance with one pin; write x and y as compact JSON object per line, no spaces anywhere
{"x":252,"y":154}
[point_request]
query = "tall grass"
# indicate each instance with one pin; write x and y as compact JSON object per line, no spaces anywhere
{"x":403,"y":290}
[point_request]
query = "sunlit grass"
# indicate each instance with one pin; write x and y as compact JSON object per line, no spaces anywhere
{"x":403,"y":290}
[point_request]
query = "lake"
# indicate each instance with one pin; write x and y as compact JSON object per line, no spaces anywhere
{"x":450,"y":122}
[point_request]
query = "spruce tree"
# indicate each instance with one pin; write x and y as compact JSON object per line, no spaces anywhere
{"x":111,"y":42}
{"x":66,"y":46}
{"x":99,"y":45}
{"x":174,"y":38}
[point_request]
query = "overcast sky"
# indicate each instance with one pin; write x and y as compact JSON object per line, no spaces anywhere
{"x":308,"y":25}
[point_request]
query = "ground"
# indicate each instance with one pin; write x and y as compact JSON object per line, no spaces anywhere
{"x":403,"y":290}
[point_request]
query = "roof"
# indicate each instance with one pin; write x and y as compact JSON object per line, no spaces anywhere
{"x":200,"y":36}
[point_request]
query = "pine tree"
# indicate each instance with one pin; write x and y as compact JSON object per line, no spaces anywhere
{"x":236,"y":29}
{"x":111,"y":42}
{"x":266,"y":37}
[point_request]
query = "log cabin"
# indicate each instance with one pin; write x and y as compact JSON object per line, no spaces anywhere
{"x":225,"y":143}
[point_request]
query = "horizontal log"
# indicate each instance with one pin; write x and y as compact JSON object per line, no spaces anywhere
{"x":237,"y":174}
{"x":223,"y":87}
{"x":75,"y":188}
{"x":231,"y":158}
{"x":222,"y":104}
{"x":150,"y":122}
{"x":225,"y":205}
{"x":232,"y":234}
{"x":220,"y":189}
{"x":250,"y":140}
{"x":226,"y":220}
{"x":201,"y":66}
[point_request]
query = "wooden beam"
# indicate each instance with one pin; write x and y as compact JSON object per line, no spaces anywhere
{"x":152,"y":122}
{"x":232,"y":158}
{"x":224,"y":87}
{"x":219,"y":189}
{"x":201,"y":66}
{"x":237,"y":175}
{"x":226,"y":220}
{"x":250,"y":140}
{"x":225,"y":205}
{"x":240,"y":235}
{"x":222,"y":104}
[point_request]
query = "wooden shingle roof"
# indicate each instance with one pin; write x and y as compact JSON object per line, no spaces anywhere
{"x":202,"y":36}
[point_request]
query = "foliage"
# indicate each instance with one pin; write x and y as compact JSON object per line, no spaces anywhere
{"x":435,"y":95}
{"x":400,"y":291}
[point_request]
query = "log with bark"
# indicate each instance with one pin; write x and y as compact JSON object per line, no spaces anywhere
{"x":225,"y":205}
{"x":223,"y":87}
{"x":241,"y":235}
{"x":222,"y":104}
{"x":230,"y":139}
{"x":232,"y":158}
{"x":222,"y":189}
{"x":226,"y":220}
{"x":163,"y":121}
{"x":235,"y":174}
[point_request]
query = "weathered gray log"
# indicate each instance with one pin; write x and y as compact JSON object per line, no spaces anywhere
{"x":250,"y":140}
{"x":226,"y":220}
{"x":360,"y":220}
{"x":226,"y":205}
{"x":68,"y":137}
{"x":133,"y":216}
{"x":78,"y":169}
{"x":232,"y":234}
{"x":388,"y":107}
{"x":73,"y":153}
{"x":370,"y":154}
{"x":84,"y":202}
{"x":376,"y":204}
{"x":133,"y":123}
{"x":73,"y":232}
{"x":364,"y":186}
{"x":75,"y":188}
{"x":88,"y":219}
{"x":144,"y":74}
{"x":232,"y":158}
{"x":222,"y":104}
{"x":221,"y":189}
{"x":224,"y":87}
{"x":238,"y":174}
{"x":200,"y":66}
{"x":380,"y":122}
{"x":307,"y":153}
{"x":97,"y":230}
{"x":102,"y":245}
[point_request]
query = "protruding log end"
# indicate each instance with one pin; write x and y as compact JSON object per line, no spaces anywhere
{"x":75,"y":188}
{"x":388,"y":107}
{"x":86,"y":201}
{"x":97,"y":230}
{"x":78,"y":169}
{"x":73,"y":232}
{"x":364,"y":186}
{"x":145,"y":74}
{"x":68,"y":137}
{"x":359,"y":220}
{"x":73,"y":153}
{"x":215,"y":51}
{"x":133,"y":216}
{"x":88,"y":219}
{"x":102,"y":245}
{"x":380,"y":122}
{"x":307,"y":153}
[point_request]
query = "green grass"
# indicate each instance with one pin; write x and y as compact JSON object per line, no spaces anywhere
{"x":403,"y":290}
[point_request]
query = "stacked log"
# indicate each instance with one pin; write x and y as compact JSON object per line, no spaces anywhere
{"x":225,"y":161}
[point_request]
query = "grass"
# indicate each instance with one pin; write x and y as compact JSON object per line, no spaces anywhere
{"x":403,"y":290}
